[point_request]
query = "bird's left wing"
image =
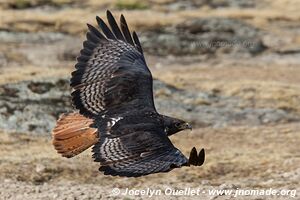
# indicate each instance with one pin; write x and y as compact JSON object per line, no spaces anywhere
{"x":137,"y":149}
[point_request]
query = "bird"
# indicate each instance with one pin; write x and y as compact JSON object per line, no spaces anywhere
{"x":114,"y":111}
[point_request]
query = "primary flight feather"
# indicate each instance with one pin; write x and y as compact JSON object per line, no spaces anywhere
{"x":112,"y":91}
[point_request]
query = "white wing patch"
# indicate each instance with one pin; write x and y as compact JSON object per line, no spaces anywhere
{"x":113,"y":121}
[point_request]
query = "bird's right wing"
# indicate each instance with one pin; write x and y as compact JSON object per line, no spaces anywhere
{"x":111,"y":73}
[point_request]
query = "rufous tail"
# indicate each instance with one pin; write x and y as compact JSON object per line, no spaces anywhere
{"x":73,"y":134}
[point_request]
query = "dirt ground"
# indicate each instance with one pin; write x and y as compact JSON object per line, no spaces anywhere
{"x":40,"y":39}
{"x":239,"y":157}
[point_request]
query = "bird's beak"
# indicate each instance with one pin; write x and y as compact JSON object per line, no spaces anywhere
{"x":188,"y":126}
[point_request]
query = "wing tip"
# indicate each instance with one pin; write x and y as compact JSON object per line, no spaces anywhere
{"x":115,"y":32}
{"x":108,"y":13}
{"x":98,"y":18}
{"x":195,"y":158}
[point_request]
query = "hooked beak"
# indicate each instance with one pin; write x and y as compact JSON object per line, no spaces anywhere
{"x":187,"y":126}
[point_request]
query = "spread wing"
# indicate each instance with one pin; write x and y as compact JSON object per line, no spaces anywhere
{"x":111,"y":72}
{"x":136,"y":149}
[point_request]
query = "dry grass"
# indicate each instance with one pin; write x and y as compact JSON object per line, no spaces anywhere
{"x":71,"y":20}
{"x":13,"y":75}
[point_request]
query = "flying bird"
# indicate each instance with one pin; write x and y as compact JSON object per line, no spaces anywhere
{"x":113,"y":96}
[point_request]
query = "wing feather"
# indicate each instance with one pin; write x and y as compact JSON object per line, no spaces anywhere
{"x":95,"y":32}
{"x":111,"y":72}
{"x":114,"y":26}
{"x":137,"y":42}
{"x":125,"y":30}
{"x":136,"y":149}
{"x":105,"y":28}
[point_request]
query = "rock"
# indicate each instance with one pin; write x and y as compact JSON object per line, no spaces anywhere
{"x":39,"y":168}
{"x":3,"y":60}
{"x":194,"y":4}
{"x":45,"y":49}
{"x":205,"y":36}
{"x":233,"y":3}
{"x":34,"y":106}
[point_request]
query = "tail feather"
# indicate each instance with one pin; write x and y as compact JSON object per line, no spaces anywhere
{"x":73,"y":134}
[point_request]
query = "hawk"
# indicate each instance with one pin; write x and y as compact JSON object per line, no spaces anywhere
{"x":112,"y":92}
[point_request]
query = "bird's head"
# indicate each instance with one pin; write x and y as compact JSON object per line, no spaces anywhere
{"x":173,"y":125}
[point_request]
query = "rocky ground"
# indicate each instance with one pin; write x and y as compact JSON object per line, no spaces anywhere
{"x":230,"y":67}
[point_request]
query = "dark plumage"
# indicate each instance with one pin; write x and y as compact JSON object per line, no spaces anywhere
{"x":113,"y":88}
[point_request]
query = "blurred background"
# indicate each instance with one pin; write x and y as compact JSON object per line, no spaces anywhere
{"x":230,"y":67}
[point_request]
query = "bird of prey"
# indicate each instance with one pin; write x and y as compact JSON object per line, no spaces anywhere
{"x":112,"y":92}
